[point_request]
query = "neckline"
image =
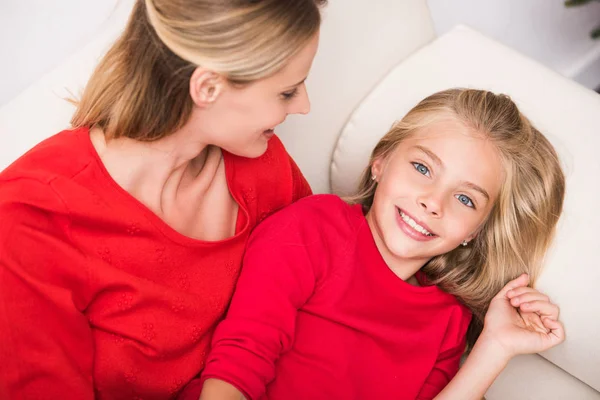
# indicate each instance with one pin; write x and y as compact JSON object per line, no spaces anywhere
{"x":154,"y":219}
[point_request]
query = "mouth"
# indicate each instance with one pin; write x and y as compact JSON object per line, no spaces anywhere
{"x":418,"y":228}
{"x":269,"y":132}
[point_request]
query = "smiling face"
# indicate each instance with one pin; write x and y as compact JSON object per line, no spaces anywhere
{"x":434,"y":191}
{"x":241,"y":120}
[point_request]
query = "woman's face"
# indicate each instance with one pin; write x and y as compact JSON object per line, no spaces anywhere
{"x":242,"y":119}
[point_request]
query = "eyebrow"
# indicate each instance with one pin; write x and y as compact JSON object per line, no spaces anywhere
{"x":296,"y":84}
{"x":477,"y":189}
{"x":431,"y":155}
{"x":439,"y":162}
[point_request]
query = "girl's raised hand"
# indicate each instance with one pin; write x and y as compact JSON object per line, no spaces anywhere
{"x":522,"y":320}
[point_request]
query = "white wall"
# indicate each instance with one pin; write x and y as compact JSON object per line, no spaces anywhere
{"x":542,"y":29}
{"x":36,"y":35}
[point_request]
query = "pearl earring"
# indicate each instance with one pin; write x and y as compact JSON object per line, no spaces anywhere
{"x":464,"y":243}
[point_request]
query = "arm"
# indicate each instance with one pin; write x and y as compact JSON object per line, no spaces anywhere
{"x":448,"y":362}
{"x":217,"y":389}
{"x":47,"y":345}
{"x":483,"y":365}
{"x":506,"y":333}
{"x":278,"y":277}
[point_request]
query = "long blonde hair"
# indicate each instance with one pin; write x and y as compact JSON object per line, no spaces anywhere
{"x":521,"y":225}
{"x":140,"y":88}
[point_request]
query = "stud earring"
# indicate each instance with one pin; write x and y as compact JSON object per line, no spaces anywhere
{"x":464,"y":243}
{"x":373,"y":178}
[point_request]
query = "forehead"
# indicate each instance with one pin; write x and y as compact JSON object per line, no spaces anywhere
{"x":298,"y":65}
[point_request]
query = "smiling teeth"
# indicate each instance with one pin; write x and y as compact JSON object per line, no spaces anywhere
{"x":414,"y":225}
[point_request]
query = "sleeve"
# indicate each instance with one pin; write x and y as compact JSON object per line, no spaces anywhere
{"x":279,"y":274}
{"x":448,"y":361}
{"x":47,"y":346}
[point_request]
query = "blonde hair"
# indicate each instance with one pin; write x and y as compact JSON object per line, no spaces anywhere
{"x":140,"y":88}
{"x":521,"y":224}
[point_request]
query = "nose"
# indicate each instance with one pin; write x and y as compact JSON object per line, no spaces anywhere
{"x":431,"y":204}
{"x":302,"y":103}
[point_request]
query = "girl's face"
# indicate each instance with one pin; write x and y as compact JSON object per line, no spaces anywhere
{"x":242,"y":120}
{"x":434,"y":191}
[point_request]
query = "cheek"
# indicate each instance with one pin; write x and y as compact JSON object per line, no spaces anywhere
{"x":461,"y":223}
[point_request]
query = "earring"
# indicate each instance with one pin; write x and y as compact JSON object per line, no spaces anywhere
{"x":464,"y":243}
{"x":373,"y":178}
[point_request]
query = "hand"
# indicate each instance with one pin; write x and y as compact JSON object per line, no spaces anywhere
{"x":522,"y":320}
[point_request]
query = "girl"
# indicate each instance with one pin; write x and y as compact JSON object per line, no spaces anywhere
{"x":378,"y":298}
{"x":132,"y":225}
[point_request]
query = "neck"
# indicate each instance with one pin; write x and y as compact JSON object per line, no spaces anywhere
{"x":149,"y":170}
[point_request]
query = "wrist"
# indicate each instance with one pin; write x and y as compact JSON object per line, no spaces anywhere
{"x":217,"y":389}
{"x":493,"y":349}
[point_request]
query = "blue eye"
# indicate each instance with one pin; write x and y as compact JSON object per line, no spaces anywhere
{"x":465,"y":200}
{"x":421,"y":168}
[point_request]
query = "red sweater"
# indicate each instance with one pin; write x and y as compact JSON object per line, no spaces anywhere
{"x":98,"y":296}
{"x":317,"y":314}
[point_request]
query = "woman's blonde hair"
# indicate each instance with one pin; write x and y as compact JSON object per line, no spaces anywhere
{"x":140,"y":89}
{"x":521,"y":224}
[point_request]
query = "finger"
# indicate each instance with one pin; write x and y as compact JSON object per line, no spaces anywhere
{"x":534,"y":322}
{"x":528,"y":297}
{"x":557,"y":330}
{"x":522,"y":280}
{"x":519,"y":291}
{"x":543,"y":308}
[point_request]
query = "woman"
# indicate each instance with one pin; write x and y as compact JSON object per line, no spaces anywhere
{"x":121,"y":239}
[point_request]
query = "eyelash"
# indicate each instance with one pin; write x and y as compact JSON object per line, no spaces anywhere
{"x":289,"y":95}
{"x":418,"y":165}
{"x":471,"y":204}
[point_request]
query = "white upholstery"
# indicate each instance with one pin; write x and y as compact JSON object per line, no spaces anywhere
{"x":361,"y":42}
{"x":41,"y":110}
{"x":565,"y":111}
{"x":531,"y":377}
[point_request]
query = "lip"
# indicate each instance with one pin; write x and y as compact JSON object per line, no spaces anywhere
{"x":269,"y":133}
{"x":409,"y":231}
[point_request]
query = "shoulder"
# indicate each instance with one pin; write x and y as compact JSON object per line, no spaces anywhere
{"x":63,"y":154}
{"x":29,"y":198}
{"x":33,"y":217}
{"x":322,"y":214}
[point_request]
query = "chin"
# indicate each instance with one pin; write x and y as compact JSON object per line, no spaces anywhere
{"x":253,"y":151}
{"x":257,"y":153}
{"x":401,"y":247}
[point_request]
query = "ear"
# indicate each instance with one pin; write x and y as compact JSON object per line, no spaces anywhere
{"x":205,"y":86}
{"x":377,"y":168}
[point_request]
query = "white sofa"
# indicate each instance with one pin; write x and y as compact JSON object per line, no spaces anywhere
{"x":376,"y":60}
